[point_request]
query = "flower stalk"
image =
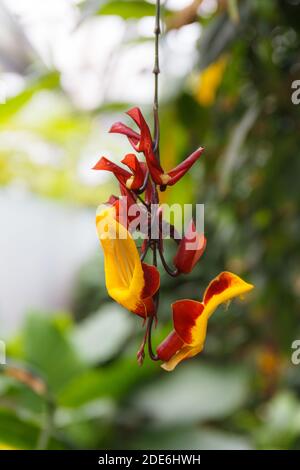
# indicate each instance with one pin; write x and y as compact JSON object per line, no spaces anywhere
{"x":156,"y":72}
{"x":155,"y":196}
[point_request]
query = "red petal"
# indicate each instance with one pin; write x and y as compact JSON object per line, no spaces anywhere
{"x":146,"y":139}
{"x":146,"y":144}
{"x":217,"y":286}
{"x":155,"y":168}
{"x":190,"y":249}
{"x":131,"y":197}
{"x":125,"y":202}
{"x":169,"y":346}
{"x":107,"y":165}
{"x":112,"y":200}
{"x":180,"y":170}
{"x":120,"y":128}
{"x":145,"y":308}
{"x":185,"y":314}
{"x":151,"y":279}
{"x":135,"y":166}
{"x":132,"y":162}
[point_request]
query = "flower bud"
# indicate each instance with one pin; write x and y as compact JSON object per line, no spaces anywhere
{"x":190,"y":249}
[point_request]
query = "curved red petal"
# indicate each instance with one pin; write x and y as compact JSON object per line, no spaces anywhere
{"x":136,"y":114}
{"x":190,"y":249}
{"x":120,"y":128}
{"x":180,"y":170}
{"x":132,"y":162}
{"x":185,"y":314}
{"x":107,"y":165}
{"x":171,"y":344}
{"x":217,"y":286}
{"x":146,"y":145}
{"x":151,"y":280}
{"x":135,"y":166}
{"x":145,"y":308}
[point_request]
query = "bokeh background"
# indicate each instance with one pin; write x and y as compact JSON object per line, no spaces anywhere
{"x":68,"y":70}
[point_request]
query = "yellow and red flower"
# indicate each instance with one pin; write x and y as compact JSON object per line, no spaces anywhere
{"x":129,"y":282}
{"x":135,"y":284}
{"x":190,"y":319}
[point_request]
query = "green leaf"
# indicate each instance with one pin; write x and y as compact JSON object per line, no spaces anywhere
{"x":101,"y":335}
{"x":113,"y":381}
{"x":281,"y":422}
{"x":189,"y":438}
{"x":127,"y":9}
{"x":233,"y":11}
{"x":14,"y":104}
{"x":194,"y":393}
{"x":46,"y":347}
{"x":20,"y":433}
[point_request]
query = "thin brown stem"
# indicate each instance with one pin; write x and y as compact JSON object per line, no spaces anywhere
{"x":143,"y":187}
{"x":144,"y":254}
{"x":170,"y":271}
{"x":156,"y":71}
{"x":152,"y":355}
{"x":154,"y":195}
{"x":142,"y":201}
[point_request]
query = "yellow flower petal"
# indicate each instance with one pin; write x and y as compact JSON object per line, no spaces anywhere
{"x":123,"y":269}
{"x":184,"y":353}
{"x":224,"y":287}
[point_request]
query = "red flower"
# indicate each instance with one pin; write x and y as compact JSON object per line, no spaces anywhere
{"x":190,"y":249}
{"x":143,"y":143}
{"x":131,"y":180}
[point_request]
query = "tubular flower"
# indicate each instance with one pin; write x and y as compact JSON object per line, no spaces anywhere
{"x":142,"y":142}
{"x":190,"y":249}
{"x":135,"y":284}
{"x":190,"y":319}
{"x":128,"y":281}
{"x":131,"y":180}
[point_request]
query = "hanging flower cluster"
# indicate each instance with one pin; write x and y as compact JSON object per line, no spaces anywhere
{"x":135,"y":284}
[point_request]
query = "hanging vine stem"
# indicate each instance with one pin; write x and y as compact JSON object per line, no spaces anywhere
{"x":155,"y":245}
{"x":156,"y":71}
{"x":154,"y":198}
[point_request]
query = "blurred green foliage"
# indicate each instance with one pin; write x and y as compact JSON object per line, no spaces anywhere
{"x":243,"y":391}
